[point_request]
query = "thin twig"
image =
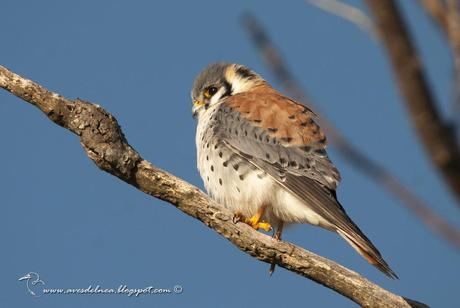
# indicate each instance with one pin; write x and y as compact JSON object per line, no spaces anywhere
{"x":436,"y":135}
{"x":447,"y":16}
{"x":453,"y":25}
{"x":104,"y":142}
{"x":437,"y":10}
{"x":348,"y":12}
{"x":358,"y":159}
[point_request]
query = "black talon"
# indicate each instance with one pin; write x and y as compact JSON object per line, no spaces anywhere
{"x":236,"y":218}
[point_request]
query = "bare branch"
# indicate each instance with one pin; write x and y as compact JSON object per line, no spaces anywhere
{"x":104,"y":142}
{"x":437,"y":10}
{"x":447,"y":16}
{"x":348,"y":12}
{"x":453,"y":26}
{"x":435,"y":134}
{"x":345,"y":148}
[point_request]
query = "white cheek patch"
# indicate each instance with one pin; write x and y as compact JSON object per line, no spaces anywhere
{"x":241,"y":85}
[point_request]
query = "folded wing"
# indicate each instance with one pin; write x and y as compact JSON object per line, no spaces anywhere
{"x":281,"y":138}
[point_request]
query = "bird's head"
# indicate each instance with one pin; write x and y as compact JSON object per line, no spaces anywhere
{"x":220,"y":80}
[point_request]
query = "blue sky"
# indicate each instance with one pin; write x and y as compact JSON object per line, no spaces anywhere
{"x":77,"y":226}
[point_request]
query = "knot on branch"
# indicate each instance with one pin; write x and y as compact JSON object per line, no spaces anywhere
{"x":102,"y":138}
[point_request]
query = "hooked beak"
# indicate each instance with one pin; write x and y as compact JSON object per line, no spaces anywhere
{"x":196,"y":105}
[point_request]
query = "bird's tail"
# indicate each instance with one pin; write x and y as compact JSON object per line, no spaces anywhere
{"x":365,"y":248}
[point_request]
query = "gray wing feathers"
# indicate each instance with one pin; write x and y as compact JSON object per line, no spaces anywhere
{"x":309,"y":161}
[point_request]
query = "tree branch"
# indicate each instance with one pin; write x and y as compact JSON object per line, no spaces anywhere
{"x":348,"y":12}
{"x":453,"y":21}
{"x":436,"y":135}
{"x":437,"y":10}
{"x":447,"y":17}
{"x":104,"y":142}
{"x":358,"y":159}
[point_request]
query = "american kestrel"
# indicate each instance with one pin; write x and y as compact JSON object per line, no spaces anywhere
{"x":262,"y":156}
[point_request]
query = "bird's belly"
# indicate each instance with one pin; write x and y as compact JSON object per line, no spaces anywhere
{"x":234,"y":183}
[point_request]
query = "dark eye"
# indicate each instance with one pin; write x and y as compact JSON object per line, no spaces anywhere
{"x":210,"y":91}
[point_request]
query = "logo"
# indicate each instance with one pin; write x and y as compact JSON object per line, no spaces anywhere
{"x":32,"y":279}
{"x":36,"y":287}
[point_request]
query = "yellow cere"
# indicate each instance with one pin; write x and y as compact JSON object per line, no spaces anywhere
{"x":197,"y":103}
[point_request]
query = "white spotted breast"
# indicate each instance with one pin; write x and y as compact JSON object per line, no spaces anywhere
{"x":229,"y":178}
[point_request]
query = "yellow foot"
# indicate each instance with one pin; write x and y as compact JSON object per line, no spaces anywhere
{"x":262,"y":225}
{"x":254,"y":221}
{"x":257,"y":224}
